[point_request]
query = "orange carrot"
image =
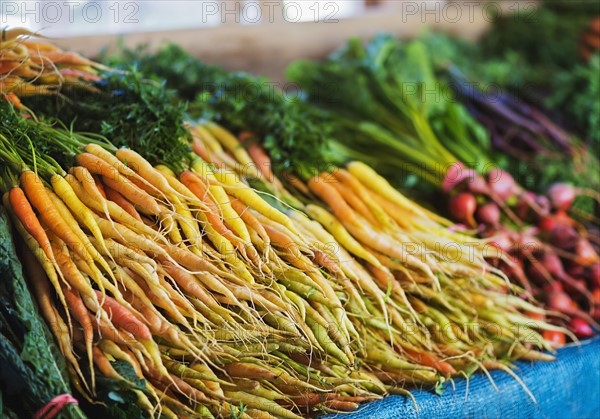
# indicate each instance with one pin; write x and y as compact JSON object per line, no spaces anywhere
{"x":200,"y":149}
{"x":321,"y":186}
{"x":98,"y":166}
{"x":258,"y":155}
{"x":59,"y":57}
{"x":82,"y":315}
{"x":22,"y":209}
{"x":110,"y":159}
{"x":43,"y":296}
{"x":430,"y":360}
{"x":324,"y":260}
{"x":50,"y":215}
{"x":250,"y":219}
{"x":114,"y":179}
{"x":142,"y":199}
{"x":120,"y":200}
{"x":73,"y":275}
{"x":355,"y":202}
{"x":98,"y":185}
{"x":124,"y":319}
{"x":385,"y":279}
{"x":195,"y":184}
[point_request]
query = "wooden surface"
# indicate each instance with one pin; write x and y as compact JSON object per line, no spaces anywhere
{"x":267,"y":48}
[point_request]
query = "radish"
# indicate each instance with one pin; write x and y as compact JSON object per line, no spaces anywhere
{"x":524,"y":204}
{"x":502,"y":184}
{"x":586,"y":255}
{"x":489,"y":214}
{"x":547,"y":223}
{"x":456,"y":174}
{"x":594,"y":275}
{"x":576,"y":270}
{"x":462,"y":207}
{"x":502,"y":241}
{"x":562,"y":196}
{"x":559,"y":301}
{"x":562,"y":218}
{"x":596,"y":296}
{"x":563,"y":237}
{"x":478,"y":186}
{"x":543,"y":204}
{"x":581,"y":328}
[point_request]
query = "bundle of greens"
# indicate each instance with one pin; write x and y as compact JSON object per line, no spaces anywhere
{"x":32,"y":370}
{"x":295,"y":134}
{"x":134,"y":112}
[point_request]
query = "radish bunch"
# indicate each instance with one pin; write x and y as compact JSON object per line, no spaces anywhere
{"x":542,"y":246}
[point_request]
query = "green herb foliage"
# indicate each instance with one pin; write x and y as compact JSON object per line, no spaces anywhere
{"x":129,"y":110}
{"x":294,"y":134}
{"x":577,"y":94}
{"x":396,"y":110}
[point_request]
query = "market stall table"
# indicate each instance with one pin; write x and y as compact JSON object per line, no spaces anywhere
{"x":566,"y":388}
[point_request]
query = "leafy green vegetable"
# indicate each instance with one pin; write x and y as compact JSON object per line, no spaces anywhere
{"x":393,"y":86}
{"x":557,"y":27}
{"x":577,"y":94}
{"x":117,"y":395}
{"x":294,"y":134}
{"x":129,"y":110}
{"x":31,"y":367}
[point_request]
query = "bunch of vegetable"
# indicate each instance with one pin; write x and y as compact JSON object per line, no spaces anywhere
{"x":399,"y":129}
{"x":33,"y":67}
{"x":184,"y":283}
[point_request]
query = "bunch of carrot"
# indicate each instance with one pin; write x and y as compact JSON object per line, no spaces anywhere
{"x":146,"y":268}
{"x":413,"y":286}
{"x":231,"y":292}
{"x":217,"y":298}
{"x":34,"y":67}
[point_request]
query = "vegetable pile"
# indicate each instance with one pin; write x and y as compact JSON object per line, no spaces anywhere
{"x":230,"y":258}
{"x":552,"y":244}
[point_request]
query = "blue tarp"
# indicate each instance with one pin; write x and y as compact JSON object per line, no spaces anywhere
{"x":566,"y":388}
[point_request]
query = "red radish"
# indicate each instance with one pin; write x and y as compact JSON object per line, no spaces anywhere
{"x":581,"y":328}
{"x":559,"y":301}
{"x":502,"y":241}
{"x":462,"y":207}
{"x":576,"y":270}
{"x":543,"y":204}
{"x":594,"y":274}
{"x":554,"y":266}
{"x":596,"y":313}
{"x":553,"y":287}
{"x":515,"y":272}
{"x":586,"y":255}
{"x":563,"y":237}
{"x":575,"y":286}
{"x":538,"y":274}
{"x":478,"y":186}
{"x":502,"y":184}
{"x":456,"y":174}
{"x":524,"y":204}
{"x":596,"y":296}
{"x":562,"y":196}
{"x":562,"y":218}
{"x":555,"y":337}
{"x":547,"y":223}
{"x":489,"y":214}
